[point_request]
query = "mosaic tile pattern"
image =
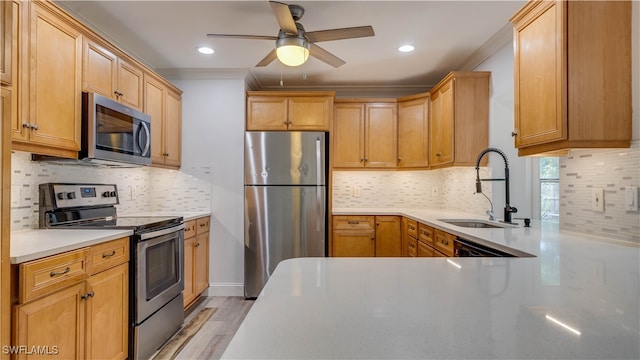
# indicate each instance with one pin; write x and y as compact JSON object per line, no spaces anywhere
{"x":409,"y":189}
{"x":172,"y":190}
{"x":611,"y":170}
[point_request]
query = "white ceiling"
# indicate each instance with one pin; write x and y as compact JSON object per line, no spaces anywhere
{"x":446,"y":34}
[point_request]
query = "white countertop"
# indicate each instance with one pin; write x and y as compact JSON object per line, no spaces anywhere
{"x":37,"y":243}
{"x":455,"y":308}
{"x":33,"y":244}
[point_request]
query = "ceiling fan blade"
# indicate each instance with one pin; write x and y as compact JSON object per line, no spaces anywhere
{"x":323,"y":55}
{"x":339,"y":34}
{"x":267,"y":59}
{"x":250,"y":37}
{"x":284,"y":17}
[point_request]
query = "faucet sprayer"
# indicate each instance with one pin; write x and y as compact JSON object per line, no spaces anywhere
{"x":508,"y":209}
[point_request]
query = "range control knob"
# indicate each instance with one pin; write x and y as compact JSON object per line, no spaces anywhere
{"x":105,"y":194}
{"x":112,"y":194}
{"x":71,"y":195}
{"x":60,"y":196}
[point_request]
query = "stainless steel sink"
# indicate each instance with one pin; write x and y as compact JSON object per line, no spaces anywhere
{"x":476,"y":223}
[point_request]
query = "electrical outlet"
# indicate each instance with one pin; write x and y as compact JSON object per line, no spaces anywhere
{"x":597,"y":199}
{"x":631,"y":198}
{"x":435,"y":191}
{"x":356,"y":191}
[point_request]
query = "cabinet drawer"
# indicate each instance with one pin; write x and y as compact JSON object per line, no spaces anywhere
{"x":353,"y":222}
{"x":444,"y":242}
{"x":425,"y":233}
{"x":412,"y":247}
{"x":202,"y":225}
{"x":412,"y":228}
{"x":41,"y":277}
{"x":107,"y":255}
{"x":190,"y":229}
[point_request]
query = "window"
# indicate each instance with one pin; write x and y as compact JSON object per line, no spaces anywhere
{"x":550,"y":189}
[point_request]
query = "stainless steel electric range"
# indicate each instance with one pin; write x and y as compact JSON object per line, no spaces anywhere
{"x":156,"y":269}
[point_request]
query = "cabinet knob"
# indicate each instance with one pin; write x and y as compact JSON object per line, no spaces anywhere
{"x":399,"y":158}
{"x":87,"y":295}
{"x":438,"y":154}
{"x":197,"y":245}
{"x":34,"y":127}
{"x":26,"y":125}
{"x":514,"y":133}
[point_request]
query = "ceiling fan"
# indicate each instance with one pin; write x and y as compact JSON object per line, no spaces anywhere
{"x":294,"y":44}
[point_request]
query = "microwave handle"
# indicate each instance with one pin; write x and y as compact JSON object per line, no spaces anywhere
{"x":144,"y":149}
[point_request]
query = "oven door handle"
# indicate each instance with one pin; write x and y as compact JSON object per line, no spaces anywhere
{"x":153,"y":234}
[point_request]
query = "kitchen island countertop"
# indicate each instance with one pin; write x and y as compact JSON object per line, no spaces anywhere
{"x":577,"y":298}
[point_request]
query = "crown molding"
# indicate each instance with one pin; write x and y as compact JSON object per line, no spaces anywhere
{"x":200,"y":74}
{"x":495,"y":43}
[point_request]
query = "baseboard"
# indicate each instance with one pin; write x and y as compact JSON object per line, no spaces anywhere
{"x":225,"y":289}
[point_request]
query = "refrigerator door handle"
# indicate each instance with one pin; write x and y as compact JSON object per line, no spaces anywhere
{"x":319,"y":182}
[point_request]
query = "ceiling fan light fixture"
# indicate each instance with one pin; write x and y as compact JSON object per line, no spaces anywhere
{"x":292,"y":51}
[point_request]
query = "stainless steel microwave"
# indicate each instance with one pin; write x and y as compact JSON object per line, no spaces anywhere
{"x":112,"y":132}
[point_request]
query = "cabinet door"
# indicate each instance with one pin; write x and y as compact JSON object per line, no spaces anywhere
{"x":354,"y":243}
{"x":310,"y":113}
{"x":154,"y":98}
{"x":413,"y":133}
{"x":9,"y":12}
{"x":99,"y":70}
{"x":108,"y":314}
{"x":56,"y":321}
{"x":54,"y":80}
{"x":441,"y":125}
{"x":189,"y":270}
{"x":267,"y":113}
{"x":201,"y":259}
{"x":388,"y":236}
{"x":130,"y":84}
{"x":173,"y":130}
{"x":381,"y":136}
{"x":348,"y":135}
{"x":539,"y":76}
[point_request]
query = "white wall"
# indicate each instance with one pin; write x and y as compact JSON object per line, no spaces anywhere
{"x":501,"y":117}
{"x":213,"y":116}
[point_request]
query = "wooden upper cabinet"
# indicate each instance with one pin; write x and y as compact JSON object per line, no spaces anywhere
{"x":51,"y":91}
{"x":365,"y":134}
{"x":303,"y":111}
{"x":111,"y":76}
{"x":459,"y":119}
{"x":164,"y":104}
{"x":572,"y":76}
{"x":413,"y":131}
{"x":9,"y":14}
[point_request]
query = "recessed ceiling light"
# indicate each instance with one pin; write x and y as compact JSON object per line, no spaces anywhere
{"x":406,"y":48}
{"x":204,"y":50}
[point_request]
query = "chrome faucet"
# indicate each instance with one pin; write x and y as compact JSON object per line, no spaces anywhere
{"x":508,"y":209}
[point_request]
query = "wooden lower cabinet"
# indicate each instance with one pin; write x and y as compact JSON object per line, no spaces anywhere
{"x":388,"y":236}
{"x":196,"y":259}
{"x":366,"y":236}
{"x":84,"y":319}
{"x":107,"y":313}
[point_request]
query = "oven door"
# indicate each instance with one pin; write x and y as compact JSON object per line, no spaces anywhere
{"x":159,"y":270}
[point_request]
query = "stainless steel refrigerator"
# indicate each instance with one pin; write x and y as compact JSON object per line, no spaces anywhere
{"x":285,"y":201}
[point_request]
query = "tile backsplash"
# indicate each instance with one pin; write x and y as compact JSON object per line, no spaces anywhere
{"x":609,"y":169}
{"x":450,"y":188}
{"x":172,"y":190}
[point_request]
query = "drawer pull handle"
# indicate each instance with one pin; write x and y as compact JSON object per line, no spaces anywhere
{"x":203,"y":224}
{"x":56,"y":273}
{"x":106,"y":255}
{"x":87,"y":295}
{"x":353,"y":222}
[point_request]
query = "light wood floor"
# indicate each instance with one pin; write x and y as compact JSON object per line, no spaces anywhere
{"x":214,"y":336}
